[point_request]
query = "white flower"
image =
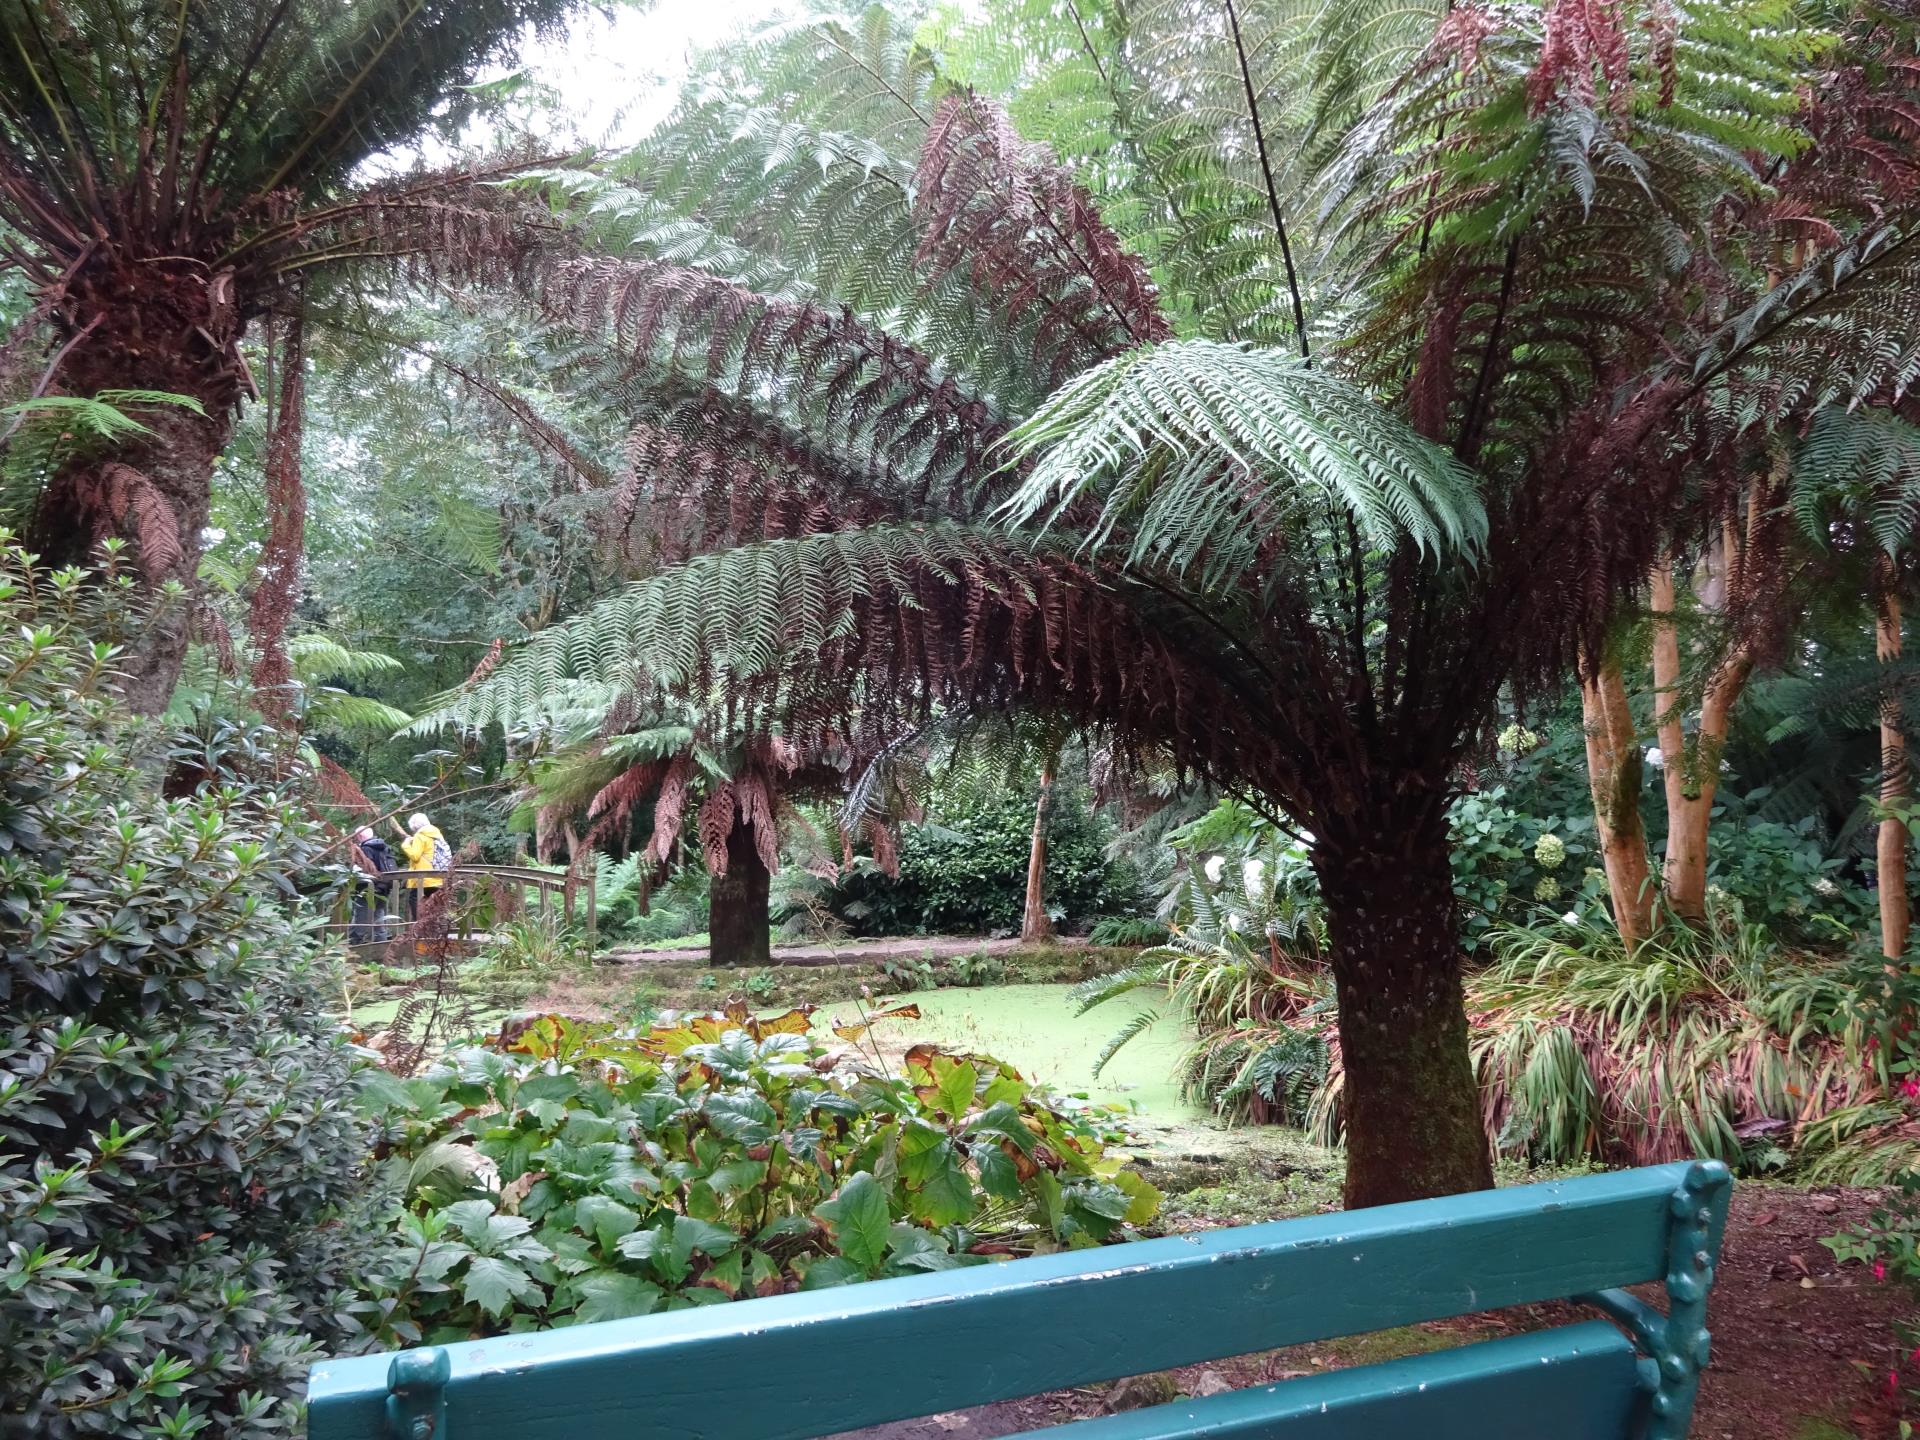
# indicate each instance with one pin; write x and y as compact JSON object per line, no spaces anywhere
{"x":1550,"y":851}
{"x":1517,"y":739}
{"x":1252,"y":873}
{"x":1216,"y":867}
{"x":1654,"y":757}
{"x":1824,"y":886}
{"x":1572,"y":917}
{"x":1546,"y":889}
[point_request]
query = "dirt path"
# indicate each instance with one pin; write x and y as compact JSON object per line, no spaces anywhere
{"x":1788,"y":1327}
{"x":847,"y":952}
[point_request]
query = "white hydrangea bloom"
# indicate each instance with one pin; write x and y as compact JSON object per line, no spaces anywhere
{"x":1824,"y":886}
{"x":1655,"y":758}
{"x":1550,"y":851}
{"x":1546,"y":889}
{"x":1216,"y":867}
{"x":1252,"y":874}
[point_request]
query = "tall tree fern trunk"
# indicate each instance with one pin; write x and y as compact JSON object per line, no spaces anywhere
{"x":1890,"y":868}
{"x":1613,"y":776}
{"x":1412,"y":1104}
{"x":166,"y":324}
{"x":1036,"y":925}
{"x":738,"y":923}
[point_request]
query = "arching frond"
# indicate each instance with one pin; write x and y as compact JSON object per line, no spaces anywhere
{"x":1203,"y":455}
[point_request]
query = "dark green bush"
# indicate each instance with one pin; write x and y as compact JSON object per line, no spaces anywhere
{"x":178,"y":1142}
{"x":965,"y":872}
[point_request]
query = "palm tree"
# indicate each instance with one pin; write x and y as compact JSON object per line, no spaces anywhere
{"x":167,"y":173}
{"x":1453,"y":292}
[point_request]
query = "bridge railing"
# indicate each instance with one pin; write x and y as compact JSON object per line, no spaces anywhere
{"x":477,"y":898}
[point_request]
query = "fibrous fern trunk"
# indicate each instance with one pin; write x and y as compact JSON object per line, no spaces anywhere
{"x":1036,"y":926}
{"x":165,"y":324}
{"x":739,"y":924}
{"x":1614,"y":775}
{"x":1891,"y":843}
{"x":1412,"y":1105}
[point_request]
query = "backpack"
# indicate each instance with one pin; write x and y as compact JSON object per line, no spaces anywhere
{"x":442,"y":855}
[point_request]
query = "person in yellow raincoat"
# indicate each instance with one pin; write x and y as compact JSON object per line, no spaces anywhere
{"x":426,"y":849}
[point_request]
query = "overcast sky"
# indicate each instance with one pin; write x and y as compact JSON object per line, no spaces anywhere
{"x":620,"y":70}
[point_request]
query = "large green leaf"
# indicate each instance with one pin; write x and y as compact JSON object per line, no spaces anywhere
{"x":494,"y":1284}
{"x":615,"y":1295}
{"x":859,"y":1218}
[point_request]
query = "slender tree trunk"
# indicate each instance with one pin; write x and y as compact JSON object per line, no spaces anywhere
{"x":276,"y":575}
{"x":167,"y":323}
{"x":1891,"y":850}
{"x":738,"y":921}
{"x":1667,"y":729}
{"x":1691,"y":770}
{"x":1036,"y":926}
{"x":1613,"y":775}
{"x":1413,"y":1115}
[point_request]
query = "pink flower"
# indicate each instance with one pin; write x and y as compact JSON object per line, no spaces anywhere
{"x":1910,"y":1087}
{"x":1879,"y":1269}
{"x":1893,"y":1382}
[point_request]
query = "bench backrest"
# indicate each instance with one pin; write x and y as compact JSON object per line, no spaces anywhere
{"x":815,"y":1363}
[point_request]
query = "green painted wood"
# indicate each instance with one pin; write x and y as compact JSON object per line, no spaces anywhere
{"x":794,"y":1367}
{"x":1580,"y":1382}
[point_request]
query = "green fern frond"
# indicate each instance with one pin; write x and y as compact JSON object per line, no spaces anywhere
{"x":1202,"y":454}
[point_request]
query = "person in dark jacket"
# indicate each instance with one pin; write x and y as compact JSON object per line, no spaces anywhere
{"x":369,"y":925}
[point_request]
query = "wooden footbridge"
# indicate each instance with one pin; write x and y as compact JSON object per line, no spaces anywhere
{"x":483,"y":897}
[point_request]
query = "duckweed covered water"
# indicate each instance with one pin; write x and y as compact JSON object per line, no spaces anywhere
{"x":1034,"y":1029}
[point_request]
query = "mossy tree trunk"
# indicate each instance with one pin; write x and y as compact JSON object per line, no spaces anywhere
{"x":1412,"y":1105}
{"x":738,"y":923}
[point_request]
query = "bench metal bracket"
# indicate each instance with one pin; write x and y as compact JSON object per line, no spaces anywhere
{"x":1675,"y":1347}
{"x":417,"y":1394}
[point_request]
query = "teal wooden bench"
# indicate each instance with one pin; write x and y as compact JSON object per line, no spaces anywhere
{"x":802,"y":1366}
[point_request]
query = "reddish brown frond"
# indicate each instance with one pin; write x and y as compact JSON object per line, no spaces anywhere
{"x":670,"y":806}
{"x":715,"y":823}
{"x":1030,"y":237}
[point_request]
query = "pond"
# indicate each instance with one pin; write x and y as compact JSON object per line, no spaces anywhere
{"x":1034,"y":1029}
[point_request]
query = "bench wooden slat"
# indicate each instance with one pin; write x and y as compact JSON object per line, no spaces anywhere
{"x":816,"y":1363}
{"x":1578,"y":1382}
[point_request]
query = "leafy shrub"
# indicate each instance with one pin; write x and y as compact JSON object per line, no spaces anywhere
{"x":1126,"y":931}
{"x":1510,"y":867}
{"x":1784,"y":879}
{"x":1245,"y":973}
{"x":713,"y":1157}
{"x":967,"y":874}
{"x":1888,"y":1245}
{"x":1696,"y":1043}
{"x":904,"y":974}
{"x":979,"y":968}
{"x":179,"y":1153}
{"x":532,"y":945}
{"x":676,"y":910}
{"x":761,"y":985}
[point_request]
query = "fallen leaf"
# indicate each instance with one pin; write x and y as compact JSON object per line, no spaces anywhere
{"x":1766,"y":1219}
